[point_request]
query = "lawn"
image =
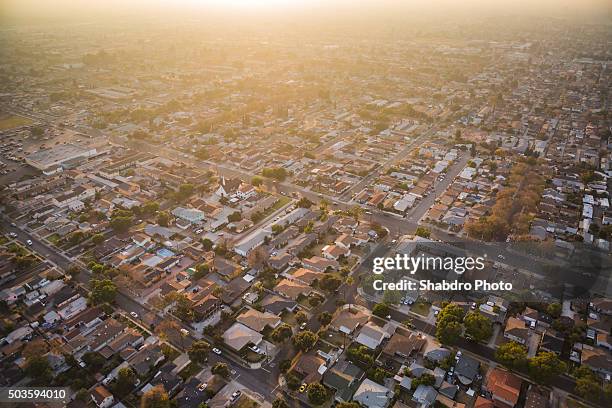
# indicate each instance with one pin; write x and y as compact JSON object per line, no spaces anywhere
{"x":13,"y":121}
{"x":246,"y":402}
{"x":421,"y":308}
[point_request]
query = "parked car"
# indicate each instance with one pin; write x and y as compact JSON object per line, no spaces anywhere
{"x":216,"y":351}
{"x":303,"y":387}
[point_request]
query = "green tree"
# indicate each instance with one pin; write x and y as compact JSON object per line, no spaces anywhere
{"x":325,"y":318}
{"x":280,"y":402}
{"x":301,"y":317}
{"x":207,"y":244}
{"x":126,"y":378}
{"x":97,"y":239}
{"x":545,"y":366}
{"x":305,"y":340}
{"x":478,"y":327}
{"x":156,"y":397}
{"x":330,"y":283}
{"x":281,"y":333}
{"x":163,"y":218}
{"x":448,"y":325}
{"x":511,"y":354}
{"x":317,"y":394}
{"x":121,"y":224}
{"x":198,"y":351}
{"x":423,"y":232}
{"x":351,"y":404}
{"x":150,"y":207}
{"x":234,"y":217}
{"x":554,"y":309}
{"x":256,"y":181}
{"x":221,"y":369}
{"x":304,"y":203}
{"x":425,"y":379}
{"x":102,"y":291}
{"x":38,"y":369}
{"x":381,"y":310}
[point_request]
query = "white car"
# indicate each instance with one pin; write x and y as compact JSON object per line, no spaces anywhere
{"x":134,"y":315}
{"x":216,"y":351}
{"x":29,"y":242}
{"x":255,"y":349}
{"x":202,"y":387}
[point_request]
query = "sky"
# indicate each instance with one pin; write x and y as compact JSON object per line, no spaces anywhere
{"x":31,"y":10}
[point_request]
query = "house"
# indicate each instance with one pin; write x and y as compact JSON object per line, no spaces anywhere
{"x":311,"y":367}
{"x":373,"y":395}
{"x":437,"y":355}
{"x":403,"y":345}
{"x":504,"y":387}
{"x":316,"y":263}
{"x":516,"y":330}
{"x":425,"y":395}
{"x":550,"y":342}
{"x":602,"y":305}
{"x":292,"y":289}
{"x":335,"y":252}
{"x":371,"y":336}
{"x":596,"y":359}
{"x":349,"y":319}
{"x":239,"y":336}
{"x":344,"y":378}
{"x":228,"y":187}
{"x":256,"y":320}
{"x":277,"y":305}
{"x":146,"y":358}
{"x":482,"y":402}
{"x":466,"y":369}
{"x":102,"y":397}
{"x":306,"y":276}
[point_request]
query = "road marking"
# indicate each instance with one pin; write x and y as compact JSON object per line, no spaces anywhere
{"x":266,"y":370}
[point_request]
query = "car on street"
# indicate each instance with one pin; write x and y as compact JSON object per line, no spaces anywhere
{"x":134,"y":315}
{"x":29,"y":242}
{"x":236,"y":395}
{"x":216,"y":351}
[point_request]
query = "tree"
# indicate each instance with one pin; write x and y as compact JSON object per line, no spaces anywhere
{"x":448,"y":325}
{"x":423,"y":232}
{"x":156,"y":397}
{"x":304,"y":203}
{"x":38,"y":368}
{"x":94,"y":361}
{"x":234,"y":217}
{"x":97,"y":239}
{"x":198,"y":351}
{"x":207,"y":244}
{"x":554,"y":309}
{"x":330,"y":283}
{"x":351,"y":404}
{"x":73,"y":270}
{"x":280,"y":402}
{"x":150,"y":207}
{"x":256,"y":181}
{"x":587,"y":384}
{"x":163,"y":218}
{"x":301,"y":317}
{"x":545,"y":366}
{"x":277,"y":173}
{"x":126,"y":378}
{"x":325,"y":318}
{"x":425,"y":379}
{"x":257,"y":257}
{"x":282,"y":333}
{"x":381,"y":310}
{"x":285,"y":365}
{"x":221,"y":369}
{"x":378,"y":375}
{"x":305,"y":340}
{"x":511,"y":354}
{"x":478,"y":327}
{"x":102,"y":291}
{"x":121,"y":224}
{"x":317,"y":394}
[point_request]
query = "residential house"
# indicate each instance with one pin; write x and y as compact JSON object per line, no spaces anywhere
{"x":505,"y":387}
{"x":239,"y":336}
{"x":516,"y":330}
{"x":102,"y":397}
{"x":343,"y":378}
{"x":373,"y":395}
{"x":257,"y":320}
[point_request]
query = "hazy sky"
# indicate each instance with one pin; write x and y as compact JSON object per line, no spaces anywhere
{"x":31,"y":10}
